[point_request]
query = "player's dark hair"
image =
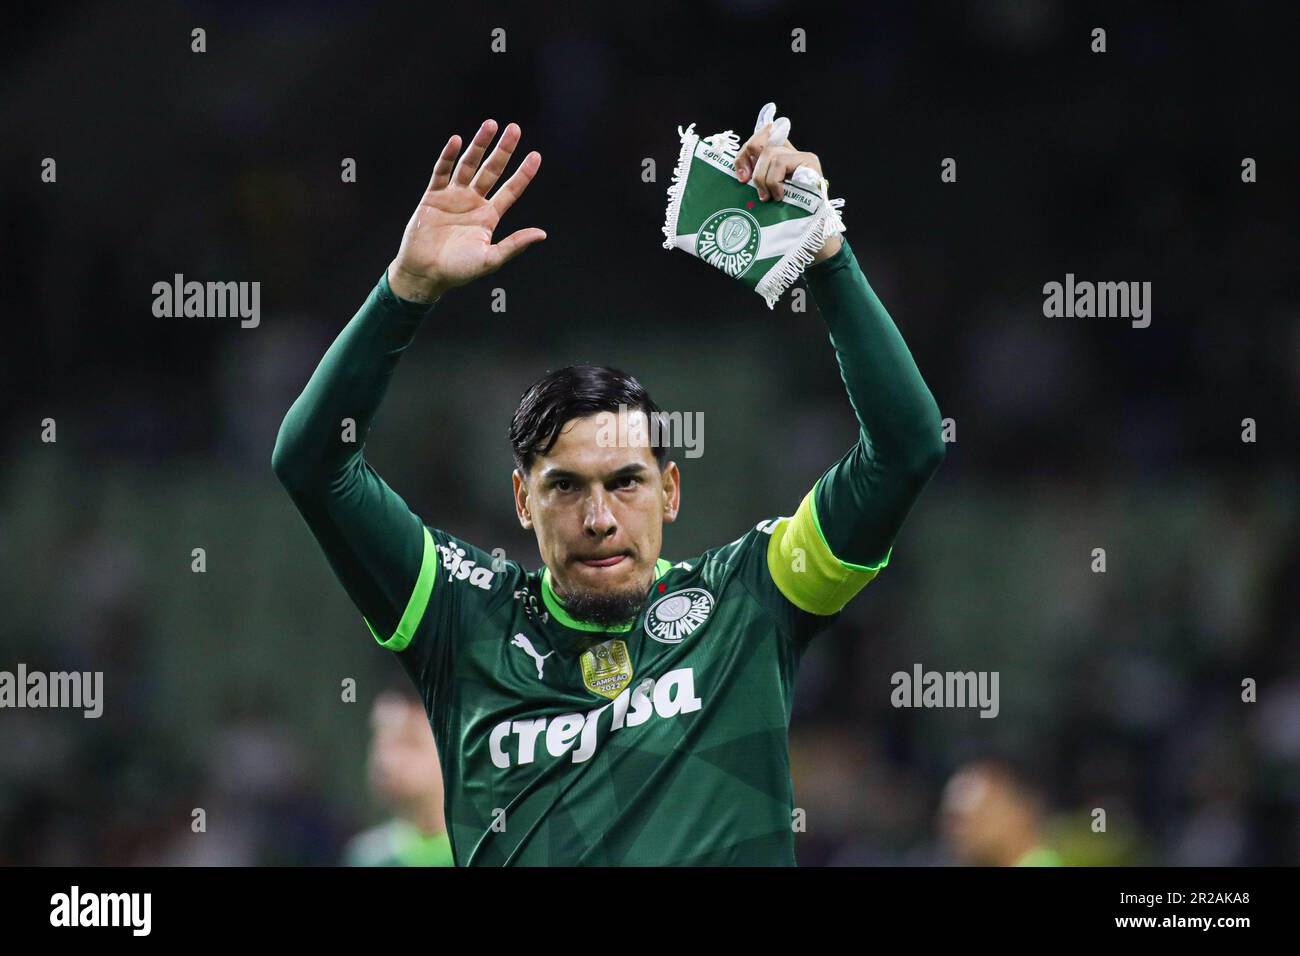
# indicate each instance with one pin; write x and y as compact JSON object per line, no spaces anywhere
{"x":575,"y":392}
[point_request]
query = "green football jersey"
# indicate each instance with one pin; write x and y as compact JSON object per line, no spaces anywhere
{"x":398,"y":842}
{"x":664,"y":741}
{"x":661,"y":743}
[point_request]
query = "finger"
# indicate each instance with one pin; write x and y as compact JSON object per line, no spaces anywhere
{"x":774,"y":176}
{"x":765,"y":116}
{"x":514,"y":187}
{"x":750,"y":152}
{"x":760,"y":177}
{"x":491,"y":171}
{"x":774,"y":135}
{"x":770,"y":172}
{"x":502,"y":252}
{"x":804,"y":169}
{"x":468,"y":164}
{"x":443,"y":167}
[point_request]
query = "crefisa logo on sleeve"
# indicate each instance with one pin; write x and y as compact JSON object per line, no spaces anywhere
{"x":677,"y":616}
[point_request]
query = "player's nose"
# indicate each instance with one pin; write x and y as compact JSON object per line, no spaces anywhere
{"x":598,"y":519}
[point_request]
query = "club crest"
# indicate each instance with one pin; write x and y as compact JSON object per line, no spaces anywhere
{"x":675,"y":617}
{"x":728,"y":240}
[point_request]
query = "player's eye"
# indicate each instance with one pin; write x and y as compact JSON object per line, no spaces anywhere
{"x":627,"y":481}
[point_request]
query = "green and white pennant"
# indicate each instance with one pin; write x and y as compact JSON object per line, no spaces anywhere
{"x":715,"y":217}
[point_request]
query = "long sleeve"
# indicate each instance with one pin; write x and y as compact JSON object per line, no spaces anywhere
{"x":861,"y":501}
{"x":377,"y":547}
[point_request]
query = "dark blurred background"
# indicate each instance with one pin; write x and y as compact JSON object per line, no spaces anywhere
{"x":1119,"y":690}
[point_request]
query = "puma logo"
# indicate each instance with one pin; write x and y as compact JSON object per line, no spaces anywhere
{"x":527,"y":647}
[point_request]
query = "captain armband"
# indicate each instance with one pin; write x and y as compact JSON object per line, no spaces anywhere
{"x":804,"y":568}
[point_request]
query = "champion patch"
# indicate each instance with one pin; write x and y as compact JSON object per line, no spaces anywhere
{"x":677,"y":616}
{"x":607,"y":669}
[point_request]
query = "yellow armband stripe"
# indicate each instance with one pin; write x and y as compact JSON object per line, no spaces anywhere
{"x":804,"y":568}
{"x":419,"y":600}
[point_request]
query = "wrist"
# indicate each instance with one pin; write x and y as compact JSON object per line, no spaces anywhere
{"x":413,"y":288}
{"x":829,"y":248}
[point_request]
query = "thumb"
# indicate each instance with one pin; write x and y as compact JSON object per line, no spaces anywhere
{"x":502,"y":252}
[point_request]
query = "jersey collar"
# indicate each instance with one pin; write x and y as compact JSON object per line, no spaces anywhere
{"x":561,"y":616}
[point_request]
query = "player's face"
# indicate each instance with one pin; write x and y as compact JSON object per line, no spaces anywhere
{"x":598,"y":503}
{"x":976,"y":815}
{"x":403,"y":756}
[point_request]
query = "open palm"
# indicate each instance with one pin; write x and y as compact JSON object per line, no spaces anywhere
{"x":448,"y":241}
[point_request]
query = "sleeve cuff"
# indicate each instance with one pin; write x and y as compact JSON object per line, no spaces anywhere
{"x":418,"y":602}
{"x":392,"y":300}
{"x":833,"y":264}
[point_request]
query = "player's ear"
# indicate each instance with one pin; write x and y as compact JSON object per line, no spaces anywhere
{"x":672,"y":485}
{"x":521,"y":500}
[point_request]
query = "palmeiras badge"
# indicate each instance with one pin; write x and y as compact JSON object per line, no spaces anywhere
{"x":672,"y":619}
{"x":728,"y":240}
{"x":607,"y":669}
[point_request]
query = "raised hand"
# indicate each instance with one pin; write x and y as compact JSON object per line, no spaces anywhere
{"x":448,"y":241}
{"x":768,"y":158}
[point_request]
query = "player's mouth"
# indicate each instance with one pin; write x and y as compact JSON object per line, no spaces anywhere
{"x":608,"y":562}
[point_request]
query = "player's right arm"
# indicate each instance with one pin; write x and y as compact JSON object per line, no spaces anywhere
{"x":379,"y":549}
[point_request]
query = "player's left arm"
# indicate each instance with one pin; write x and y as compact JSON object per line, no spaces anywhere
{"x":843,"y":532}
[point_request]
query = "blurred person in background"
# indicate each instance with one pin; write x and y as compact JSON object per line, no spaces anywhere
{"x":991,"y":816}
{"x":406,"y":776}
